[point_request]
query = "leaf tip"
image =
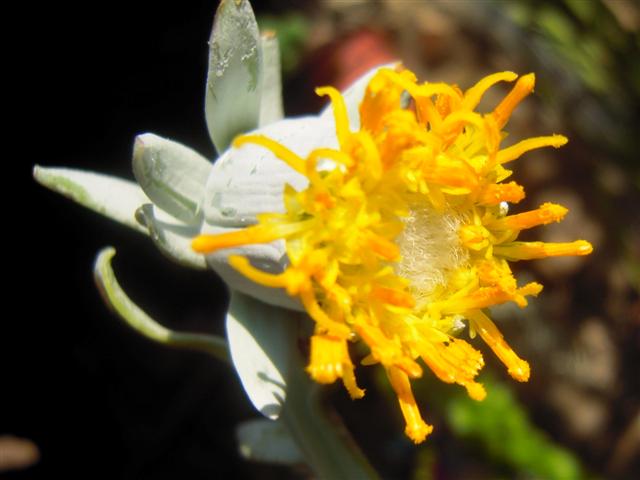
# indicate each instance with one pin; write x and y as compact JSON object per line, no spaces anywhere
{"x":40,"y":174}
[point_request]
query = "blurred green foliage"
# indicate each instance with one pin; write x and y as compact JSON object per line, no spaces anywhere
{"x":500,"y":427}
{"x":291,"y":29}
{"x":508,"y":444}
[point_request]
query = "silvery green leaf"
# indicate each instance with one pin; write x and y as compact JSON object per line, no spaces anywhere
{"x":110,"y":196}
{"x":271,"y":109}
{"x":353,"y":96}
{"x":232,"y":100}
{"x":249,"y":180}
{"x":137,"y":319}
{"x":262,"y":342}
{"x":269,"y":441}
{"x":172,"y":237}
{"x":172,"y":175}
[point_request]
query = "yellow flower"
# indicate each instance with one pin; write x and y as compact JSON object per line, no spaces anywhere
{"x":401,"y":234}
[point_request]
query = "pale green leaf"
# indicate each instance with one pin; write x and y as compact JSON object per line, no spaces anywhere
{"x":172,"y":175}
{"x":110,"y":196}
{"x":271,"y":109}
{"x":262,"y":343}
{"x":232,"y":100}
{"x":137,"y":319}
{"x":172,"y":237}
{"x":264,"y":350}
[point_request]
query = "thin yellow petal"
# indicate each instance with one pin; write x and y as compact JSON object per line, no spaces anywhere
{"x":263,"y":233}
{"x":534,"y":250}
{"x":473,"y":95}
{"x":322,"y":319}
{"x":279,"y":150}
{"x":339,"y":113}
{"x":522,"y":88}
{"x":517,"y":368}
{"x":501,"y":192}
{"x":416,"y":428}
{"x":515,"y":151}
{"x":330,"y":360}
{"x":547,"y":213}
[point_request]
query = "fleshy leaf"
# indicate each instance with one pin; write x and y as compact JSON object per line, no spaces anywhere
{"x":232,"y":100}
{"x":250,"y":180}
{"x":172,"y":175}
{"x":137,"y":319}
{"x":271,"y":109}
{"x":110,"y":196}
{"x":270,"y":257}
{"x":353,"y":96}
{"x":264,"y":440}
{"x":262,"y":343}
{"x":172,"y":237}
{"x":264,"y":350}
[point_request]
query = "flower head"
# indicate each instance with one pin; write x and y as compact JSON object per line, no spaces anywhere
{"x":401,"y":234}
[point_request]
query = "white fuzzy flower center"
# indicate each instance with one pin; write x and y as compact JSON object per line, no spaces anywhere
{"x":430,"y":249}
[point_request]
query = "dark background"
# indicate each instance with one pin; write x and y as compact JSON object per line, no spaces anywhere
{"x":98,"y":400}
{"x":101,"y":402}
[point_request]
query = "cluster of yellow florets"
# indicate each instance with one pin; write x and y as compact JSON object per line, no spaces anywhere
{"x":402,"y":234}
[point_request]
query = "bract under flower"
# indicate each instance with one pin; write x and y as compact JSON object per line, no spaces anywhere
{"x":398,"y":233}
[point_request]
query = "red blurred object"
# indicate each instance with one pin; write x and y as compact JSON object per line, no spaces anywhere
{"x":342,"y":61}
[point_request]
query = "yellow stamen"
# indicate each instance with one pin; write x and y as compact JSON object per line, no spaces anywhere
{"x":283,"y":153}
{"x":416,"y":429}
{"x":534,"y":250}
{"x":515,"y":151}
{"x":517,"y":368}
{"x":547,"y":213}
{"x":522,"y":88}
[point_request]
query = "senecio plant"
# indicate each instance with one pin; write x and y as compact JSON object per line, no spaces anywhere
{"x":382,"y":220}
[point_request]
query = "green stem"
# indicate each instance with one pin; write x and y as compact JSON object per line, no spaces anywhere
{"x":331,"y":454}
